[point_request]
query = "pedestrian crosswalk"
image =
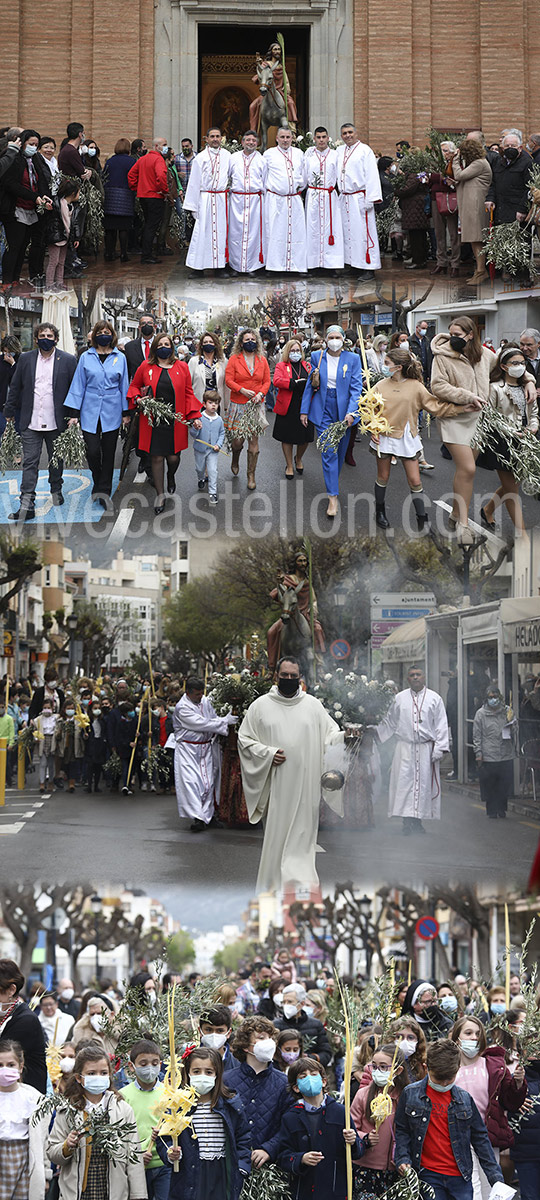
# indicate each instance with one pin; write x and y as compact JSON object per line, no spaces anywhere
{"x":18,"y":809}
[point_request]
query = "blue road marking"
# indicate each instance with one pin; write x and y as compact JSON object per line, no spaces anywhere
{"x":78,"y":507}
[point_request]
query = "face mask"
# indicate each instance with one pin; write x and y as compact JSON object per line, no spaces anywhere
{"x":156,"y":711}
{"x":70,"y":712}
{"x":92,"y":151}
{"x":209,"y":347}
{"x":511,"y":153}
{"x":470,"y":1048}
{"x":493,"y":702}
{"x":131,"y":713}
{"x":515,"y":372}
{"x":53,"y":683}
{"x":97,"y":1022}
{"x":66,"y":1065}
{"x":289,"y":1010}
{"x":407,"y":1046}
{"x":288,"y":687}
{"x":422,"y":332}
{"x":449,"y":1004}
{"x":439,"y":1087}
{"x":380,"y":1077}
{"x":385,"y":371}
{"x":83,"y":149}
{"x":96,"y":712}
{"x":164,"y":352}
{"x":457,"y":343}
{"x":290,"y":1056}
{"x":68,"y":993}
{"x":165,"y":150}
{"x":85,"y":703}
{"x":46,"y":344}
{"x":9,"y":1075}
{"x":497,"y":1008}
{"x":295,"y":356}
{"x":264,"y":1050}
{"x":46,"y":712}
{"x":335,"y":344}
{"x":250,"y":347}
{"x":278,"y":999}
{"x":104,"y":339}
{"x":147,"y":331}
{"x":147,"y":1074}
{"x":312,"y":1085}
{"x":96,"y":1084}
{"x":308,"y":1009}
{"x":30,"y":151}
{"x":403,"y":346}
{"x":202,"y":1084}
{"x":214,"y":1041}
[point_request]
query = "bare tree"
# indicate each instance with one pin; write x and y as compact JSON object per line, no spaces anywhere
{"x":19,"y":904}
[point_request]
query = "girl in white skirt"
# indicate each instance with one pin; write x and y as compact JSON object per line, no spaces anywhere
{"x":23,"y":1169}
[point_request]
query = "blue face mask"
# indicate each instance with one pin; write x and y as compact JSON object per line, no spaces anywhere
{"x":448,"y":1004}
{"x":440,"y":1087}
{"x":497,"y":1008}
{"x":493,"y":702}
{"x":311,"y":1086}
{"x":132,"y":713}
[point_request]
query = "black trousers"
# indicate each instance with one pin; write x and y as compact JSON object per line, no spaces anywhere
{"x":19,"y":237}
{"x":100,"y":451}
{"x":418,"y":243}
{"x":153,"y":210}
{"x":495,"y":786}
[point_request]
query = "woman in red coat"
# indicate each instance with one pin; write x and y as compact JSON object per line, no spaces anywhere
{"x":248,"y":376}
{"x":290,"y":376}
{"x":168,"y":380}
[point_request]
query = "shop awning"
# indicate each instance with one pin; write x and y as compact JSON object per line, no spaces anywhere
{"x":406,"y":643}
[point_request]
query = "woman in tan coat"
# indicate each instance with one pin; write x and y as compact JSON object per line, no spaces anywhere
{"x":472,"y":174}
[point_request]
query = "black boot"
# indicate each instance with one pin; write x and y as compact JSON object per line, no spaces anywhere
{"x":420,"y":509}
{"x":381,"y":518}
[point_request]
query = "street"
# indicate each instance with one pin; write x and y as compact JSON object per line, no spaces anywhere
{"x":142,"y":840}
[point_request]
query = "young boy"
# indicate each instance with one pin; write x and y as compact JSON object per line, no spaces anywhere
{"x":212,"y":431}
{"x":143,"y":1094}
{"x":262,"y":1089}
{"x":215,"y":1027}
{"x":436,"y":1126}
{"x":313,"y":1136}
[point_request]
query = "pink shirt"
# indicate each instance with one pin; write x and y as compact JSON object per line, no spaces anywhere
{"x":473,"y":1078}
{"x":43,"y":414}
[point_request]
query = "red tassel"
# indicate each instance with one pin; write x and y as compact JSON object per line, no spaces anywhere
{"x":331,"y":240}
{"x":261,"y":256}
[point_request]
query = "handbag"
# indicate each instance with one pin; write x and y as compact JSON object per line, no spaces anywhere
{"x":446,"y":202}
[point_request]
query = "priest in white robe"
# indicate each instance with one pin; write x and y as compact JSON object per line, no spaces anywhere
{"x":324,"y":234}
{"x":207,"y":198}
{"x":359,"y":186}
{"x":285,"y":218}
{"x":246,"y":210}
{"x":197,"y":757}
{"x":281,"y":743}
{"x":417,"y":719}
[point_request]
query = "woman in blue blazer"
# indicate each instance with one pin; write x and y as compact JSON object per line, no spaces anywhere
{"x":329,"y":396}
{"x":98,"y":399}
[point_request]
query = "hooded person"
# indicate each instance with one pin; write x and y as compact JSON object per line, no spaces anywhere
{"x":494,"y":745}
{"x":421,"y":1004}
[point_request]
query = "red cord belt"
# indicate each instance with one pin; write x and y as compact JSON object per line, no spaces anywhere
{"x":369,"y":239}
{"x":221,"y":192}
{"x":261,"y":194}
{"x":312,"y":187}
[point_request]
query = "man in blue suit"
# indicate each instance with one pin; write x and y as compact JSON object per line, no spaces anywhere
{"x":331,"y":394}
{"x":38,"y":389}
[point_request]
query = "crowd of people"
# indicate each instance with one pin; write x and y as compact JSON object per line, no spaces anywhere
{"x":222,"y":389}
{"x":441,"y":1081}
{"x":286,"y":210}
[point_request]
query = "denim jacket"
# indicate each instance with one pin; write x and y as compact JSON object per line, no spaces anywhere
{"x":465,"y":1127}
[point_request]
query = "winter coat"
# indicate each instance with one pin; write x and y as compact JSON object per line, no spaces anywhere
{"x":55,"y":230}
{"x":488,"y":741}
{"x":501,"y":397}
{"x":299,"y":1136}
{"x":98,"y":391}
{"x":283,"y":381}
{"x":509,"y":187}
{"x":96,"y":749}
{"x":412,"y":196}
{"x":148,"y":176}
{"x":465,"y":1126}
{"x":185,"y":1183}
{"x":505,"y":1095}
{"x":472,"y":182}
{"x":25,"y":1028}
{"x":119,"y":200}
{"x":265,"y":1097}
{"x":526,"y":1146}
{"x":39,"y":1166}
{"x":126,"y":1180}
{"x":121,"y":732}
{"x":14,"y":189}
{"x":83,"y":1031}
{"x":185,"y":401}
{"x":381,"y":1156}
{"x":454,"y":378}
{"x":313,"y":1033}
{"x":69,"y":739}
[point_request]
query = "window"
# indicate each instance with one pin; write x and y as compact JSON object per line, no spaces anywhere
{"x":47,"y":576}
{"x":182,"y":550}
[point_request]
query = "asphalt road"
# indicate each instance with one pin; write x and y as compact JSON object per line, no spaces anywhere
{"x":291,"y":508}
{"x":141,"y":841}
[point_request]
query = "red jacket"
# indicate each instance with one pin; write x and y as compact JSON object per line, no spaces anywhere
{"x":186,"y":401}
{"x":504,"y":1094}
{"x":282,"y":379}
{"x":148,"y":176}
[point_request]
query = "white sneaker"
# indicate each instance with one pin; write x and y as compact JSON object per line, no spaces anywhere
{"x":144,"y":787}
{"x":140,"y":477}
{"x":213,"y":500}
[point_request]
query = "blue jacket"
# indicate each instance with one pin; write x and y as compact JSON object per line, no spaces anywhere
{"x":211,"y":431}
{"x":526,"y":1146}
{"x":119,"y":199}
{"x":265,"y":1097}
{"x":329,"y":1178}
{"x":465,"y":1126}
{"x":348,"y":387}
{"x":98,"y":391}
{"x":185,"y":1182}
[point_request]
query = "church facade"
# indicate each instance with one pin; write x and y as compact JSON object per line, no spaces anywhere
{"x":171,"y":68}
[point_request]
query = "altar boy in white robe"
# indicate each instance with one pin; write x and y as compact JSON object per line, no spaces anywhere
{"x":246,"y":212}
{"x":359,"y":186}
{"x":206,"y":197}
{"x":417,"y":719}
{"x":281,"y":743}
{"x":324,"y":235}
{"x":285,"y":219}
{"x":197,"y":758}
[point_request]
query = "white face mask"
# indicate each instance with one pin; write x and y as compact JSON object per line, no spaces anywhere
{"x":278,"y":999}
{"x":295,"y":356}
{"x":202,"y":1084}
{"x":66,"y":1065}
{"x":408,"y":1046}
{"x":264,"y":1050}
{"x":422,"y":332}
{"x":515,"y":372}
{"x":67,"y":994}
{"x":403,"y":345}
{"x":96,"y":1022}
{"x":96,"y":1085}
{"x":289,"y":1010}
{"x":214,"y":1041}
{"x":308,"y":1009}
{"x":334,"y":344}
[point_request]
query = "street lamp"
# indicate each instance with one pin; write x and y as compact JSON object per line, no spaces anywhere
{"x":95,"y":901}
{"x":340,"y":596}
{"x":72,"y":622}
